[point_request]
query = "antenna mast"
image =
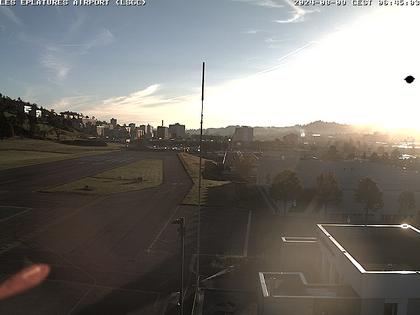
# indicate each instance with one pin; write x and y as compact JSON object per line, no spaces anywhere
{"x":199,"y":180}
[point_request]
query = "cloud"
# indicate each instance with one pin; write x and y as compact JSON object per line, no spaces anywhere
{"x":102,"y":39}
{"x":298,"y":13}
{"x":77,"y":24}
{"x":263,"y":3}
{"x":276,"y":42}
{"x":57,"y":57}
{"x":251,"y":32}
{"x":54,"y":65}
{"x":140,"y":106}
{"x":77,"y":103}
{"x":11,"y":15}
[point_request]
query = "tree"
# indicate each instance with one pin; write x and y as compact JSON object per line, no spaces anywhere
{"x":407,"y":203}
{"x":374,"y":157}
{"x":385,"y":156}
{"x":291,"y":139}
{"x":327,"y":190}
{"x":332,"y":153}
{"x":349,"y":150}
{"x":369,"y":194}
{"x":286,"y":187}
{"x":395,"y":154}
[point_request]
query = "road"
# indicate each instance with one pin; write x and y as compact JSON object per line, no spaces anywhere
{"x":104,"y":250}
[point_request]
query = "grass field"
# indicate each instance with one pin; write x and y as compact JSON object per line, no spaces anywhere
{"x":135,"y":176}
{"x":22,"y":152}
{"x":191,"y":164}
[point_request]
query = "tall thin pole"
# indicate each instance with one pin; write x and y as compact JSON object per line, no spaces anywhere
{"x":181,"y":231}
{"x":182,"y":227}
{"x":199,"y":180}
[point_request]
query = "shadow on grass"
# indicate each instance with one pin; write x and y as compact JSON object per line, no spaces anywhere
{"x":237,"y":195}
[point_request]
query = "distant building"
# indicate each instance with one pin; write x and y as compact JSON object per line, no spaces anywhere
{"x":113,"y":122}
{"x":132,"y":131}
{"x":89,"y":121}
{"x":100,"y":130}
{"x":176,"y":131}
{"x":27,"y":109}
{"x":149,"y":131}
{"x":140,"y":134}
{"x":364,"y":270}
{"x":243,"y":134}
{"x":71,"y":115}
{"x":162,"y":132}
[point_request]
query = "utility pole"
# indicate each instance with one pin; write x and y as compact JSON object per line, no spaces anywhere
{"x":181,"y":230}
{"x":199,"y":181}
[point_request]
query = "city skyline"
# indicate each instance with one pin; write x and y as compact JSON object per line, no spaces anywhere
{"x":350,"y":62}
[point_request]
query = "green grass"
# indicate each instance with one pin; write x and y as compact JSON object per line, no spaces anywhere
{"x":191,"y":164}
{"x":22,"y":152}
{"x":117,"y":180}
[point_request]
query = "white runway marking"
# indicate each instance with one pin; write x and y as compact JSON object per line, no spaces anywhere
{"x":24,"y":210}
{"x":248,"y":228}
{"x":162,"y":230}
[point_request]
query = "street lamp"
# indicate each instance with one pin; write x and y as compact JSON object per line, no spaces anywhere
{"x":181,"y":231}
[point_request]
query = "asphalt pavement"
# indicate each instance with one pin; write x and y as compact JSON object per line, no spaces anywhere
{"x":100,"y":247}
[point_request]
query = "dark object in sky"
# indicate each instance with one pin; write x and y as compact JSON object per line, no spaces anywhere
{"x":409,"y":79}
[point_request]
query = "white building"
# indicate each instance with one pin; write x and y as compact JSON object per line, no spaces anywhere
{"x":380,"y":262}
{"x":289,"y":293}
{"x":364,"y":270}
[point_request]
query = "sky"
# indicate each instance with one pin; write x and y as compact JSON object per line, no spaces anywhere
{"x":268,"y":62}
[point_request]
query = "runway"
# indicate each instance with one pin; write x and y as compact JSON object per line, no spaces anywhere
{"x":97,"y":245}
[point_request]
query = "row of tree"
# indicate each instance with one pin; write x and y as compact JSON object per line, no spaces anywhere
{"x":286,"y":188}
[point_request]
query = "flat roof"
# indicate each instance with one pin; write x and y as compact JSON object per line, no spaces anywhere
{"x":377,"y":248}
{"x":299,"y":239}
{"x":294,"y":284}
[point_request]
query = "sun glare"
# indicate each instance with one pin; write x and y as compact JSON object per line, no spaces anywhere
{"x":352,"y":75}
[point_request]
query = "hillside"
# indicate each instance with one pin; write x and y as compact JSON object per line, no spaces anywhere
{"x":270,"y":133}
{"x":24,"y":119}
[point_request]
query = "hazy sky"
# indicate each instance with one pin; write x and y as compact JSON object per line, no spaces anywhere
{"x":268,"y":63}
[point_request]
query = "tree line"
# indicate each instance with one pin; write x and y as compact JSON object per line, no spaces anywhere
{"x":287,"y":189}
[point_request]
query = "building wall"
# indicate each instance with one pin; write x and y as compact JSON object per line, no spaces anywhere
{"x":162,"y":132}
{"x":372,"y":307}
{"x":310,"y":306}
{"x":301,"y":257}
{"x":289,"y":306}
{"x":374,"y":289}
{"x":177,"y":131}
{"x":413,"y":307}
